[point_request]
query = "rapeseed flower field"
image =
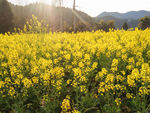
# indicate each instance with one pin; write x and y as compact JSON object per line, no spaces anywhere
{"x":88,"y":72}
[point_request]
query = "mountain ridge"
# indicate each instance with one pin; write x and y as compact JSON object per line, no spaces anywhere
{"x":131,"y":17}
{"x":51,"y":15}
{"x":128,"y":15}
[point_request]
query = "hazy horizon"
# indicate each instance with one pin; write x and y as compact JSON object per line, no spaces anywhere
{"x":95,"y":7}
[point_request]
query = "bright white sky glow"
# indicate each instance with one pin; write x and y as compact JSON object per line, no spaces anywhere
{"x":95,"y":7}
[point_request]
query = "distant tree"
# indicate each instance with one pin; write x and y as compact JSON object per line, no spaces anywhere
{"x":80,"y":27}
{"x":144,"y":22}
{"x":125,"y":26}
{"x":6,"y":17}
{"x":111,"y":24}
{"x":105,"y":25}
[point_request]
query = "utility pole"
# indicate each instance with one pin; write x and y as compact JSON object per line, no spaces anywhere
{"x":61,"y":15}
{"x":74,"y":16}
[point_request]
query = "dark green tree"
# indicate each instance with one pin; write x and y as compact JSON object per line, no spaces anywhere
{"x":105,"y":25}
{"x":144,"y":22}
{"x":6,"y":17}
{"x":125,"y":26}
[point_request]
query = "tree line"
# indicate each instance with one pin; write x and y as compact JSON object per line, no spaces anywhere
{"x":57,"y":17}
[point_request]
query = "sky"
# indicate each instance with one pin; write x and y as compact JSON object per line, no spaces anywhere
{"x":95,"y":7}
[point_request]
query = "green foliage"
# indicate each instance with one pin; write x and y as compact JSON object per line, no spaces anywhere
{"x":6,"y":17}
{"x":125,"y":26}
{"x":105,"y":25}
{"x":144,"y":23}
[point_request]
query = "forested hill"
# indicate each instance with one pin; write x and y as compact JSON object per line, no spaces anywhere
{"x":132,"y":23}
{"x":60,"y":18}
{"x":50,"y":14}
{"x":131,"y":17}
{"x":134,"y":15}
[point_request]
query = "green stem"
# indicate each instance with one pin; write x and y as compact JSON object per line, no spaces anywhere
{"x":92,"y":108}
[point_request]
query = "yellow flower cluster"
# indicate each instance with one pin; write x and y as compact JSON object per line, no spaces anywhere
{"x":98,"y":63}
{"x":66,"y":106}
{"x":118,"y":101}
